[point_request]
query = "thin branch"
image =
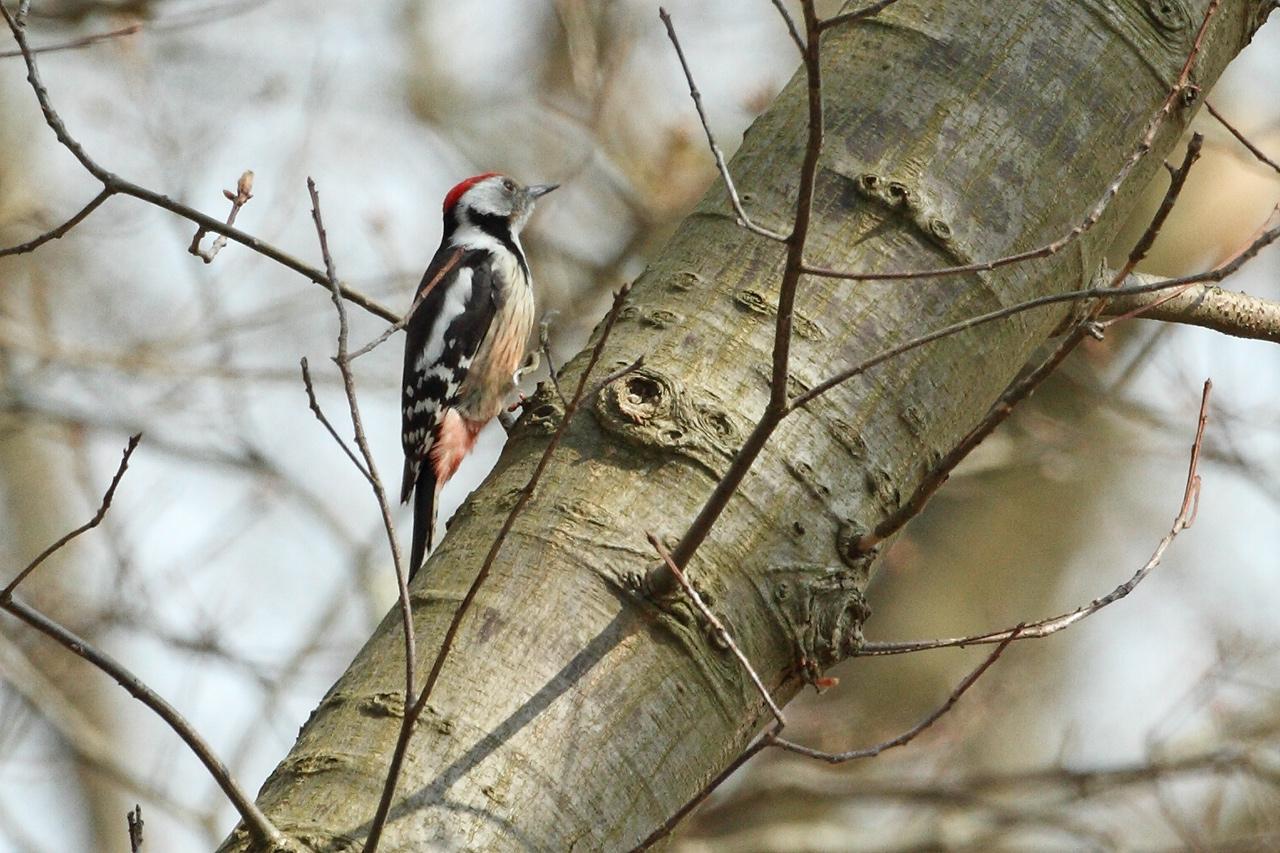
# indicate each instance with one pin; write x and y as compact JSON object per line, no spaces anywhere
{"x":134,"y":819}
{"x":238,"y":199}
{"x":75,"y":44}
{"x":107,"y":497}
{"x":1044,"y":627}
{"x":1244,"y":140}
{"x":1025,"y":386}
{"x":343,"y":361}
{"x":412,"y":712}
{"x":113,"y":184}
{"x":743,"y":219}
{"x":792,"y":30}
{"x":719,"y":628}
{"x":1227,"y":312}
{"x":1177,"y":180}
{"x":857,"y":15}
{"x":916,"y":730}
{"x":660,"y":580}
{"x":55,"y":233}
{"x":425,"y":288}
{"x":260,"y":828}
{"x":544,"y":346}
{"x":1214,"y":275}
{"x":320,"y":416}
{"x":1180,"y":90}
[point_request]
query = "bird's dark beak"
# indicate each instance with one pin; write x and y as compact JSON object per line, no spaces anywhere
{"x":539,"y":190}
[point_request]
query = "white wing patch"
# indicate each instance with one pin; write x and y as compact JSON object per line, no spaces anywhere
{"x":455,"y":302}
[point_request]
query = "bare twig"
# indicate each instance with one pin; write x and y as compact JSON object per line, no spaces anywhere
{"x":916,"y":730}
{"x":87,"y":526}
{"x":1215,"y":275}
{"x":414,"y":711}
{"x":743,"y":219}
{"x":238,"y":199}
{"x":867,"y":11}
{"x":75,"y":44}
{"x":719,"y":628}
{"x":320,"y":416}
{"x":55,"y":233}
{"x":260,"y":828}
{"x":134,"y":819}
{"x":1025,"y":386}
{"x":423,"y":289}
{"x":343,"y":361}
{"x":772,"y":737}
{"x":1244,"y":140}
{"x":1177,"y":180}
{"x":660,"y":579}
{"x":1180,"y":90}
{"x":1208,"y":306}
{"x":792,"y":29}
{"x":1044,"y":627}
{"x":544,"y":345}
{"x":113,"y":184}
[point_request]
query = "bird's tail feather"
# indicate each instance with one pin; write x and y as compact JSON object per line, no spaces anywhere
{"x":424,"y":517}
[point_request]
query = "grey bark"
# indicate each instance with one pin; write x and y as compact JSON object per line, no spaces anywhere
{"x":576,"y":714}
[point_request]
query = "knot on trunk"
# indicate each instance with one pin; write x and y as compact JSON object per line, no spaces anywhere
{"x":651,"y":408}
{"x":820,"y":609}
{"x":915,"y":206}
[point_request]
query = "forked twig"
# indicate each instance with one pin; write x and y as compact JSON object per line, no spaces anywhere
{"x":134,"y":820}
{"x":238,"y":199}
{"x":721,"y":166}
{"x":107,"y":497}
{"x":1181,"y":88}
{"x":113,"y":184}
{"x":1257,"y":152}
{"x":772,"y":736}
{"x":1052,"y":625}
{"x":343,"y":360}
{"x":260,"y":828}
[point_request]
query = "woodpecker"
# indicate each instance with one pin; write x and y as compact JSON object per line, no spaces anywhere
{"x":465,"y":343}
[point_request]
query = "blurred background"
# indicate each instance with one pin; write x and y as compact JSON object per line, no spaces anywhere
{"x":243,"y":562}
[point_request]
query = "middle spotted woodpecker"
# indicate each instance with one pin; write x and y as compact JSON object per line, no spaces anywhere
{"x":466,"y":341}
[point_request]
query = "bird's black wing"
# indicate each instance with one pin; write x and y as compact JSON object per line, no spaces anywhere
{"x":441,"y":340}
{"x":441,"y":336}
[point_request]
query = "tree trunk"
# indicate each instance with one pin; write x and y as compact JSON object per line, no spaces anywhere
{"x":574,"y":713}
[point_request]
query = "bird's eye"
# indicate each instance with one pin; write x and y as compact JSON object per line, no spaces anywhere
{"x":509,"y":185}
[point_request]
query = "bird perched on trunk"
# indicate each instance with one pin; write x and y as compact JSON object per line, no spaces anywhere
{"x":465,"y":343}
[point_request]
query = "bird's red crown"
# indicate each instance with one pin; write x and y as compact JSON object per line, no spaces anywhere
{"x":451,"y":198}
